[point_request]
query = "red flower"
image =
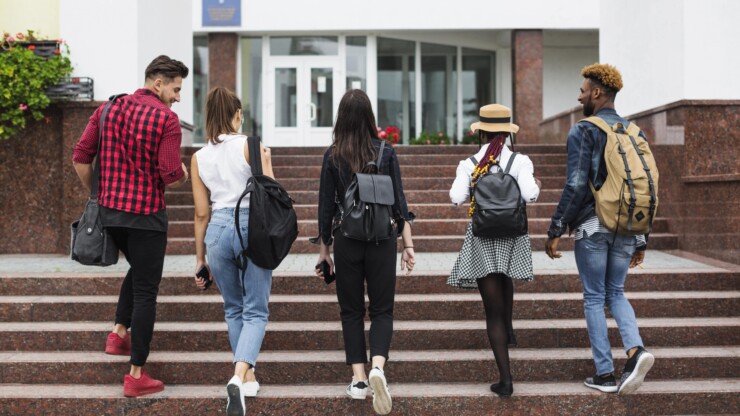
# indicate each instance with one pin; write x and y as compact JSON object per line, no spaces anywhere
{"x":19,"y":36}
{"x":383,"y":135}
{"x":31,"y":47}
{"x":57,"y":51}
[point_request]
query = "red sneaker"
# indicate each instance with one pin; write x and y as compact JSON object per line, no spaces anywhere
{"x":116,"y":345}
{"x":133,"y":387}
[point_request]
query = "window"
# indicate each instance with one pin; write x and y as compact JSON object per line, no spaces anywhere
{"x":439,"y":88}
{"x":304,"y":45}
{"x":357,"y":62}
{"x":200,"y":87}
{"x":396,"y":86}
{"x":477,"y":83}
{"x":251,"y":93}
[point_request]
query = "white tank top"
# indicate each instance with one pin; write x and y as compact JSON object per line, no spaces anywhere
{"x":224,"y":171}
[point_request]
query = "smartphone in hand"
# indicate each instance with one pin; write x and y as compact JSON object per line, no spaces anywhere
{"x":324,"y":268}
{"x":203,"y":274}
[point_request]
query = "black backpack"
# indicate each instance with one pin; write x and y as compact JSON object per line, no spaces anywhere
{"x":273,"y":224}
{"x":500,"y":210}
{"x":366,"y":209}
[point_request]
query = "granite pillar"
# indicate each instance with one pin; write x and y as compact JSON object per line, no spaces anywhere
{"x":222,"y":54}
{"x":527,"y":62}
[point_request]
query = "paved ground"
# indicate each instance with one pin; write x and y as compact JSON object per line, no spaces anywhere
{"x":298,"y":263}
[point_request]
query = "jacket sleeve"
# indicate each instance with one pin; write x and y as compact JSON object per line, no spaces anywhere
{"x":400,"y":207}
{"x":327,"y":203}
{"x":580,"y":148}
{"x":460,"y":190}
{"x":525,"y":179}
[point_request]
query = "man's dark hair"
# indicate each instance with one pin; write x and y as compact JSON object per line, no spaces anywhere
{"x":166,"y":67}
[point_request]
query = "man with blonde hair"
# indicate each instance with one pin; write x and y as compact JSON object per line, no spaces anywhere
{"x":602,"y":257}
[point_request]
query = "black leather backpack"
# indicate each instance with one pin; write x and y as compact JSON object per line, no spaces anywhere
{"x":500,"y":210}
{"x":366,"y":209}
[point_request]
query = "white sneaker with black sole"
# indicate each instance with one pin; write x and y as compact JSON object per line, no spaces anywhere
{"x":357,"y":391}
{"x":235,"y":395}
{"x":635,"y":371}
{"x":382,"y":403}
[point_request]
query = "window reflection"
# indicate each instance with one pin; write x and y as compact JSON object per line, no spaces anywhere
{"x":304,"y":45}
{"x":439,"y":88}
{"x":396,"y":86}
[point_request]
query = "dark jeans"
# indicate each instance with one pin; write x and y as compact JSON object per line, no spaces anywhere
{"x":356,"y":262}
{"x":137,"y":303}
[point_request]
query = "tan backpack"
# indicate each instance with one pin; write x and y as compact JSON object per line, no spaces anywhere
{"x":627,"y":202}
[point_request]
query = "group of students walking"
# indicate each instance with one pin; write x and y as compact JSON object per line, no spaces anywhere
{"x":142,"y":145}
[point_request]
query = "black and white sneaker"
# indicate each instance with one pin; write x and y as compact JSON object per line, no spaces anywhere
{"x":382,"y":403}
{"x":357,"y":391}
{"x":235,"y":405}
{"x":635,"y":371}
{"x":606,"y":383}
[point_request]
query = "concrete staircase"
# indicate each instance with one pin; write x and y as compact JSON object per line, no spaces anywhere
{"x":53,"y":327}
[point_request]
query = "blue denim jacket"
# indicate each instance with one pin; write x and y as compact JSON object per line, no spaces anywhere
{"x":585,"y":147}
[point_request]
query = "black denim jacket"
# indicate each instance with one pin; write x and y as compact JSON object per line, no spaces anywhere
{"x":586,"y":144}
{"x":334,"y":183}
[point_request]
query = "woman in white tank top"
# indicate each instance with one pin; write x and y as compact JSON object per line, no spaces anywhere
{"x":222,"y":168}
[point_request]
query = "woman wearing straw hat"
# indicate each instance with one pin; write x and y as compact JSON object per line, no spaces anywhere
{"x":489,"y":264}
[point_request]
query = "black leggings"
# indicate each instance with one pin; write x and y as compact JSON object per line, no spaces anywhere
{"x":497,"y":292}
{"x":137,"y":302}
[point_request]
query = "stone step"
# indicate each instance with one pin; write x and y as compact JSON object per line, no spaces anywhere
{"x":660,"y":397}
{"x":311,"y":197}
{"x":431,"y":243}
{"x":420,"y":227}
{"x":109,"y":283}
{"x":413,"y":184}
{"x":416,"y":159}
{"x":409,"y":171}
{"x":461,"y":150}
{"x":451,"y":306}
{"x":325,"y":367}
{"x":422,"y":211}
{"x":408,"y":335}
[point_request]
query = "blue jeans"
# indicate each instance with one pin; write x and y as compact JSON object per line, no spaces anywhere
{"x":245,"y":311}
{"x":603,"y":262}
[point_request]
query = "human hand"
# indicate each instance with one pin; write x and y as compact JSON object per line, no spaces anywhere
{"x":408,"y":260}
{"x":637,"y":259}
{"x":185,"y":169}
{"x":551,"y":248}
{"x":538,"y":182}
{"x":324,"y":257}
{"x":201,"y":281}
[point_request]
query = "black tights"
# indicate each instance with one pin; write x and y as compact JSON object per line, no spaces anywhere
{"x":497,"y":293}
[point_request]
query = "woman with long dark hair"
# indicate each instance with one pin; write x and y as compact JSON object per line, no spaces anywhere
{"x":357,"y":262}
{"x":222,"y":168}
{"x":489,"y":264}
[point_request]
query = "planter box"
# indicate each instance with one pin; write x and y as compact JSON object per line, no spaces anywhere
{"x":42,"y":48}
{"x":72,"y":89}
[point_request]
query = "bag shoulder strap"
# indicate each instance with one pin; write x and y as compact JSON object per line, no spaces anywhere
{"x":96,"y":168}
{"x":473,"y":159}
{"x":380,"y":155}
{"x":511,"y":162}
{"x":255,"y":157}
{"x":600,"y":123}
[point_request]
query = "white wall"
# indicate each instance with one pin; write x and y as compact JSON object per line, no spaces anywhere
{"x":565,"y":54}
{"x":671,"y":50}
{"x":711,"y":44}
{"x":41,"y":16}
{"x":113,"y":42}
{"x":348,"y":15}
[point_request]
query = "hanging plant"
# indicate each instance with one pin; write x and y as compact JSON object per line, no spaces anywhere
{"x":24,"y":78}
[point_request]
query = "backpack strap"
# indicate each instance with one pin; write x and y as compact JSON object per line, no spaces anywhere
{"x":255,"y":157}
{"x":634,"y":131}
{"x":473,"y":159}
{"x":380,"y":155}
{"x":600,"y":123}
{"x":511,"y":162}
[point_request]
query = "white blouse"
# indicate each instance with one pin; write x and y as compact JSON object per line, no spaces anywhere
{"x":522,"y":170}
{"x":224,"y":170}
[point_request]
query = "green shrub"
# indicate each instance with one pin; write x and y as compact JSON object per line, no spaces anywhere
{"x":428,"y":137}
{"x":24,"y":78}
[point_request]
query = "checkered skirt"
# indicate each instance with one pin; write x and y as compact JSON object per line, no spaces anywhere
{"x":480,"y":257}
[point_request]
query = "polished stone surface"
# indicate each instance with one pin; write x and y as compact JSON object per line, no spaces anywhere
{"x":527,"y":63}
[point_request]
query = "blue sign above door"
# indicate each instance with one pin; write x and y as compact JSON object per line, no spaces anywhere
{"x":222,"y":12}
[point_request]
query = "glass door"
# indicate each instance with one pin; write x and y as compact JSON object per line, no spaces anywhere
{"x":303,"y":97}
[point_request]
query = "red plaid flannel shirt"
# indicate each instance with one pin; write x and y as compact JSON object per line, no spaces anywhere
{"x":140,"y":152}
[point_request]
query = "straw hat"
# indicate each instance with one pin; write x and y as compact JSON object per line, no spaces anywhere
{"x":495,"y":118}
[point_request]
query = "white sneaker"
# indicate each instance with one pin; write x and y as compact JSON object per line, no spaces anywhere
{"x":235,"y":395}
{"x":357,"y":391}
{"x":251,"y":388}
{"x":382,"y":403}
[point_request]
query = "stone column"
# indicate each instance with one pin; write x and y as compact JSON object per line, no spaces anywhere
{"x":222,"y":50}
{"x":526,"y":66}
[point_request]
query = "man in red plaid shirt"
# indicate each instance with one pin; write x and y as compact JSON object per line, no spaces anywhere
{"x":139,"y":158}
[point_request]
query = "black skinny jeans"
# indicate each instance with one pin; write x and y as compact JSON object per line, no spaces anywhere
{"x":356,"y":262}
{"x":137,"y":302}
